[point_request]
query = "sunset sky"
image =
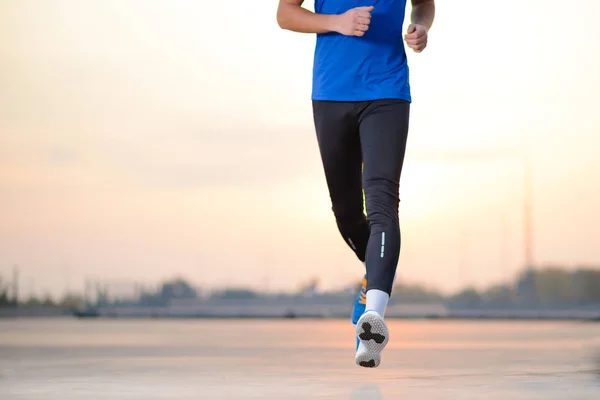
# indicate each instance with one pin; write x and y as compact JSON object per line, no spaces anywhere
{"x":144,"y":139}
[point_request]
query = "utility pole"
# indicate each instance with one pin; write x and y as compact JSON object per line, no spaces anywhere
{"x":16,"y":285}
{"x":86,"y":292}
{"x":528,"y":214}
{"x":503,"y":244}
{"x":464,"y":257}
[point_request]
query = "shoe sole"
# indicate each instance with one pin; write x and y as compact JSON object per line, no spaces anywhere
{"x":373,"y":334}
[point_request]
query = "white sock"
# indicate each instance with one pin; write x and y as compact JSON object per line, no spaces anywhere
{"x":377,"y":300}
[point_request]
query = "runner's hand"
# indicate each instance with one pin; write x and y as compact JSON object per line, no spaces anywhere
{"x":416,"y":37}
{"x":354,"y":22}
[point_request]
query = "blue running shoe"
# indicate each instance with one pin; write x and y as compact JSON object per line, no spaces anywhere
{"x":360,"y":304}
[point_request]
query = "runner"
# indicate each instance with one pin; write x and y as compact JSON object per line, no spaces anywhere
{"x":361,"y":104}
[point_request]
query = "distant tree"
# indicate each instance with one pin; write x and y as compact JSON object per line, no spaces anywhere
{"x":554,"y":286}
{"x":499,"y":296}
{"x":526,"y":288}
{"x":468,"y":298}
{"x":71,"y":301}
{"x":177,"y":289}
{"x":48,"y":302}
{"x":32,"y":302}
{"x":415,"y":294}
{"x":586,"y":283}
{"x":150,"y":299}
{"x":4,"y":300}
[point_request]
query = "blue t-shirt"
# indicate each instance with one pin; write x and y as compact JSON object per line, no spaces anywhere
{"x":371,"y":67}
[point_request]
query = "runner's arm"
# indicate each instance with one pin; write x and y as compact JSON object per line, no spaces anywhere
{"x":291,"y":16}
{"x":423,"y":13}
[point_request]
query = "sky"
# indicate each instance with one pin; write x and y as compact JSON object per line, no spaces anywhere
{"x":146,"y":139}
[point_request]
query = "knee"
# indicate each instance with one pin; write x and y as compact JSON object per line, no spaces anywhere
{"x":383,"y":199}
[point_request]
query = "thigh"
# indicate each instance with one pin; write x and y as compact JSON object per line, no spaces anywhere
{"x":383,"y":126}
{"x":336,"y":124}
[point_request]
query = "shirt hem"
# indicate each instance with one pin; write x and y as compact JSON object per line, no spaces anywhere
{"x":319,"y":97}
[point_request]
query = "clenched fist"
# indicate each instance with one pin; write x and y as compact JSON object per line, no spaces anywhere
{"x":416,"y":37}
{"x":354,"y":22}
